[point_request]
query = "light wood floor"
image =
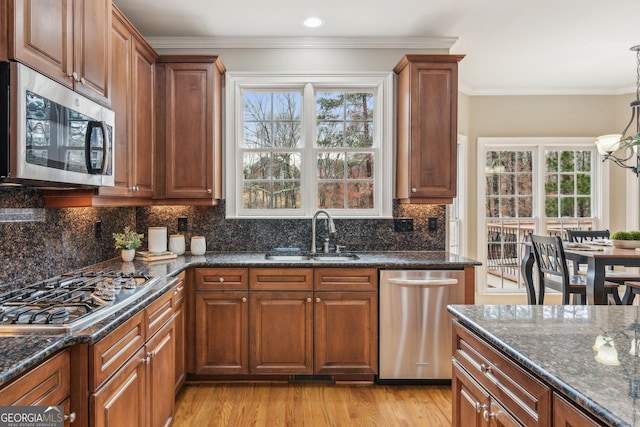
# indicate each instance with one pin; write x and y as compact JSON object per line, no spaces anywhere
{"x":272,"y":405}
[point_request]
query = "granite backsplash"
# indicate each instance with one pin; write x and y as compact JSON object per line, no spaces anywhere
{"x":38,"y":243}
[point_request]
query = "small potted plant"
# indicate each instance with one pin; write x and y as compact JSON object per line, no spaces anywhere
{"x":128,"y":241}
{"x":626,"y":239}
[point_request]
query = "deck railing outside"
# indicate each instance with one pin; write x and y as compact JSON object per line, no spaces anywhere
{"x":505,"y":249}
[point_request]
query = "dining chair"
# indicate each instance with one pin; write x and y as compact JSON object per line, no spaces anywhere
{"x":617,"y":276}
{"x":553,"y":273}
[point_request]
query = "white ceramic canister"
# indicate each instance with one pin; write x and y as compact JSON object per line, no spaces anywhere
{"x":157,"y":239}
{"x":176,"y":244}
{"x":198,"y":245}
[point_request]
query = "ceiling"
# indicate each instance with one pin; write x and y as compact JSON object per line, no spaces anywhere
{"x":511,"y":46}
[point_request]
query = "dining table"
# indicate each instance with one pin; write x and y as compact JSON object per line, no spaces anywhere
{"x":596,"y":257}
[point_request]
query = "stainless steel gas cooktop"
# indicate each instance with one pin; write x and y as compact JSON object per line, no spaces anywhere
{"x":70,"y":302}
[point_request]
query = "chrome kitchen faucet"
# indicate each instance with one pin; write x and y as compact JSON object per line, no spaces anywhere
{"x":331,"y":227}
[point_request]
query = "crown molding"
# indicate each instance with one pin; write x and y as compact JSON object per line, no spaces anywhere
{"x":301,"y":42}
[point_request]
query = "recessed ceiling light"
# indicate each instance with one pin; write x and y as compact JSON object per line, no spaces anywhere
{"x":312,"y":22}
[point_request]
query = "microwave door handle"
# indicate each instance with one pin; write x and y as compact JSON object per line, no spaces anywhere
{"x":106,"y":154}
{"x":87,"y":147}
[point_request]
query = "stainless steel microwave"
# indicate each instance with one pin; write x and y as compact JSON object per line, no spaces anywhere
{"x":50,"y":135}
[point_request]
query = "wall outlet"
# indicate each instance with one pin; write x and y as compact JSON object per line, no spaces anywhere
{"x":433,"y":224}
{"x":182,"y":223}
{"x":97,"y":230}
{"x":403,"y":224}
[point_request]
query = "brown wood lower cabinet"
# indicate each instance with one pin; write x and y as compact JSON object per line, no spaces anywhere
{"x":280,"y":332}
{"x":180,"y":326}
{"x":46,"y":385}
{"x":222,"y":336}
{"x":566,"y":414}
{"x":128,"y":377}
{"x":263,"y":322}
{"x":490,"y":389}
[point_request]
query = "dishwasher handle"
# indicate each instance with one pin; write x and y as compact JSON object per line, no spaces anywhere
{"x":423,"y":282}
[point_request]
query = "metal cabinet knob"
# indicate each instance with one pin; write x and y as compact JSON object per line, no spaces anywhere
{"x":485,"y":369}
{"x":71,"y":417}
{"x":318,"y":299}
{"x":221,"y":280}
{"x":308,"y":299}
{"x":209,"y":191}
{"x":479,"y":407}
{"x":244,"y":299}
{"x":488,"y":415}
{"x":414,"y":190}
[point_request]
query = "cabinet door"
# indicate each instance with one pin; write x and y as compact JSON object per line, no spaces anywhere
{"x":43,"y":37}
{"x":122,"y":400}
{"x":566,"y":414}
{"x":222,"y":333}
{"x":143,"y":121}
{"x":341,"y":349}
{"x":161,"y":397}
{"x":121,"y":45}
{"x":92,"y":48}
{"x":469,"y":400}
{"x":132,"y":100}
{"x":189,"y":130}
{"x":281,"y":333}
{"x":499,"y":417}
{"x":179,"y":320}
{"x":427,"y":128}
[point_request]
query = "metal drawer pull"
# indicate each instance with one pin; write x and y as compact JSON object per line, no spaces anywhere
{"x":424,"y":282}
{"x":485,"y":369}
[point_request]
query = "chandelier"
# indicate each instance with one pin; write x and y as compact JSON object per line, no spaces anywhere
{"x":626,"y":146}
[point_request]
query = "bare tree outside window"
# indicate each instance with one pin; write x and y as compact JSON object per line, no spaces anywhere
{"x":345,"y":170}
{"x":272,"y":150}
{"x":272,"y":160}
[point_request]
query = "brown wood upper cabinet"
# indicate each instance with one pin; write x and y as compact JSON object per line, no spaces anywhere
{"x":68,"y":40}
{"x":189,"y":150}
{"x":132,"y":100}
{"x":427,"y":113}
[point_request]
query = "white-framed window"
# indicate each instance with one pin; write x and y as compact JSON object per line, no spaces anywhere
{"x":533,"y":185}
{"x":299,"y":143}
{"x":457,"y":224}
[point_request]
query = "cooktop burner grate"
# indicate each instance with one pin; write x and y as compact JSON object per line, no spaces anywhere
{"x":70,"y":301}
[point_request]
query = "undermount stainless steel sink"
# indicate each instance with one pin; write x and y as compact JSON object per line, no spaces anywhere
{"x":335,"y":257}
{"x":281,"y":257}
{"x":313,"y":257}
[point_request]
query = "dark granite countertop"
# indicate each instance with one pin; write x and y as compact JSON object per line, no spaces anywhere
{"x":555,"y":343}
{"x":22,"y":352}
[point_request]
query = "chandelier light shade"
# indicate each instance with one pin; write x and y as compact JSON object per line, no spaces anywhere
{"x":626,"y":146}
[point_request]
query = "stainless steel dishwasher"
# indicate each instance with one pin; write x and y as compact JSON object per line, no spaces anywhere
{"x":415,"y":327}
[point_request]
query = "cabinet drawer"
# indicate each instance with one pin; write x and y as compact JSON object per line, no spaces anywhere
{"x":528,"y":399}
{"x":179,"y":290}
{"x":158,"y":313}
{"x":222,"y":279}
{"x":276,"y":279}
{"x":345,"y":279}
{"x":112,"y":351}
{"x":46,"y":385}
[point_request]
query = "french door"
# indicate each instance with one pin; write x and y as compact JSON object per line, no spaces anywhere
{"x":531,"y":185}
